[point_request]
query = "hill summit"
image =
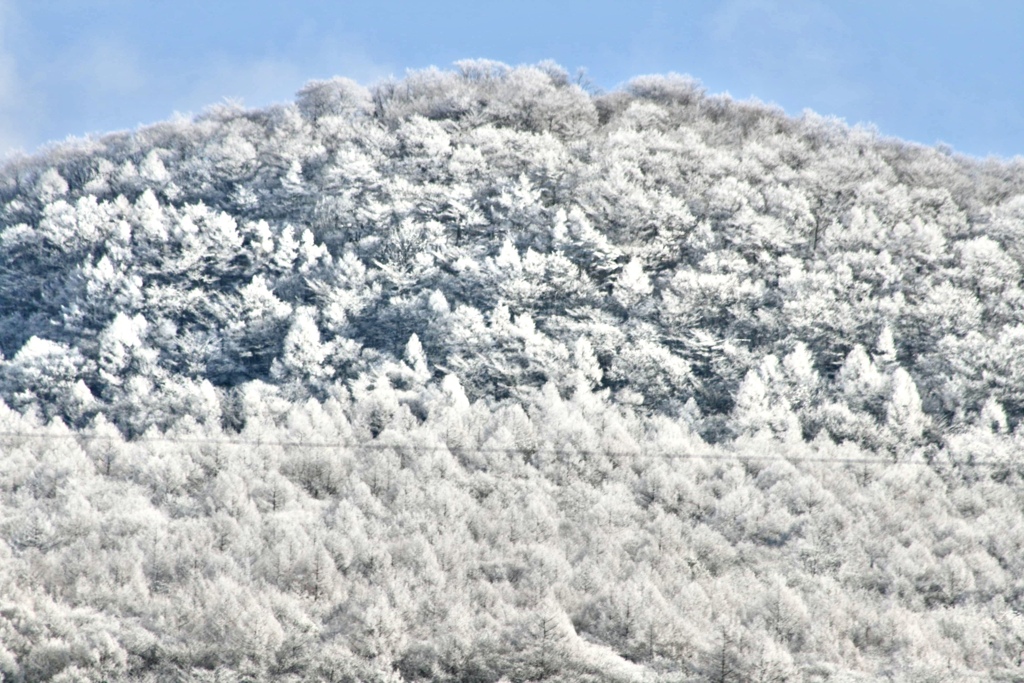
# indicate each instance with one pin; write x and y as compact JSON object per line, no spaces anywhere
{"x":656,"y":242}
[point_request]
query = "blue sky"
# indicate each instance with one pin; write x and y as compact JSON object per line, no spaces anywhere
{"x":943,"y":70}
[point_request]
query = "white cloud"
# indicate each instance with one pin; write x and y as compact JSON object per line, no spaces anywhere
{"x":15,"y":126}
{"x":728,"y":21}
{"x":255,"y":84}
{"x":277,"y":79}
{"x":104,"y":79}
{"x":108,"y":68}
{"x":788,"y":43}
{"x":808,"y":20}
{"x":8,"y":79}
{"x":99,"y":71}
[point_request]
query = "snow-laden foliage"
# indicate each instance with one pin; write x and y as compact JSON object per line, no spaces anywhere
{"x":570,"y":540}
{"x":499,"y":303}
{"x":503,"y":216}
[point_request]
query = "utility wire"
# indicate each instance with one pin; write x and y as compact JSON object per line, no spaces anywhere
{"x":524,"y":450}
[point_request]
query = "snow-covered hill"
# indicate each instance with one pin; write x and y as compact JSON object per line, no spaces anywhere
{"x":478,"y":374}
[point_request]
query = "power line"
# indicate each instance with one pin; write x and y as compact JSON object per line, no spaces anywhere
{"x":523,"y":450}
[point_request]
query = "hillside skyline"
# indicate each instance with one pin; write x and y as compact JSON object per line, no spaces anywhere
{"x":78,"y":68}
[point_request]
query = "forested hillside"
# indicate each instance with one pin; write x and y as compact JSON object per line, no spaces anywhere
{"x":480,"y":375}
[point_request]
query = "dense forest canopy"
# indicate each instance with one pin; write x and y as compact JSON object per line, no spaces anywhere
{"x":479,"y":374}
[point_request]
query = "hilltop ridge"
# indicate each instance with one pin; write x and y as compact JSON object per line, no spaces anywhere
{"x":512,"y":222}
